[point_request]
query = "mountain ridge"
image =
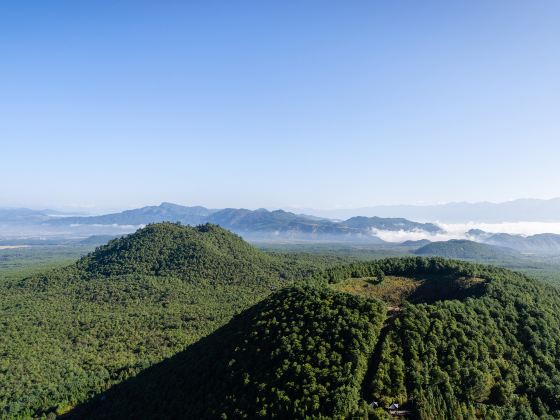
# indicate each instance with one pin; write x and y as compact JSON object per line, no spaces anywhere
{"x":260,"y":223}
{"x":543,"y":243}
{"x":520,"y":210}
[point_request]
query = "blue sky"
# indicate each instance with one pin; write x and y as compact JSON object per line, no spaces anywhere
{"x":321,"y":104}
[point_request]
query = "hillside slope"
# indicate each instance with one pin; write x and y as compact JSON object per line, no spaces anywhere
{"x":302,"y":352}
{"x":72,"y":332}
{"x":463,"y":249}
{"x":168,"y":249}
{"x":472,"y":342}
{"x":467,"y":342}
{"x":451,"y":340}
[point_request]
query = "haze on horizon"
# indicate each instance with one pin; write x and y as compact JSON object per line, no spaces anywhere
{"x":289,"y":105}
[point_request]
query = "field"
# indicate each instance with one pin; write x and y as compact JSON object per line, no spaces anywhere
{"x":16,"y":263}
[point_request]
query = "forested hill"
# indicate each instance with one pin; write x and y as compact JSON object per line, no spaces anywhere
{"x":302,"y":353}
{"x":463,"y":249}
{"x":168,"y":249}
{"x":465,"y":342}
{"x":287,"y":336}
{"x":72,"y":332}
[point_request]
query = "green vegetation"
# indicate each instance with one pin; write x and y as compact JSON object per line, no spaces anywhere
{"x":302,"y":352}
{"x":496,"y":355}
{"x":395,"y":290}
{"x":466,"y":250}
{"x":488,"y":346}
{"x":18,"y":263}
{"x":388,"y":383}
{"x":72,"y":332}
{"x":203,"y":253}
{"x":392,"y":290}
{"x":176,"y":321}
{"x":190,"y":253}
{"x":65,"y":340}
{"x":544,"y":269}
{"x":348,"y":251}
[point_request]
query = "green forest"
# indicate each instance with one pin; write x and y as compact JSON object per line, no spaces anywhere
{"x":301,"y":352}
{"x":193,"y":322}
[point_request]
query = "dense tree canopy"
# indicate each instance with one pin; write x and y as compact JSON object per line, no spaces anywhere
{"x":460,"y":340}
{"x":301,"y":352}
{"x":70,"y":333}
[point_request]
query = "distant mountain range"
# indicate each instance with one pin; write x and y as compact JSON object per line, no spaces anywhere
{"x":546,"y":243}
{"x":24,"y":215}
{"x":256,"y":224}
{"x":523,"y":210}
{"x":265,"y":225}
{"x":150,"y":214}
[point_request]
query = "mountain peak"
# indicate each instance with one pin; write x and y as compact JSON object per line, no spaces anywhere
{"x":169,"y":205}
{"x":206,"y":252}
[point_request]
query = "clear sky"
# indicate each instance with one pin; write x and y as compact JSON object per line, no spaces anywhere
{"x":318,"y":104}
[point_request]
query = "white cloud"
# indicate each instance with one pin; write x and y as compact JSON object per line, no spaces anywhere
{"x":514,"y":228}
{"x":416,"y":235}
{"x":459,"y":231}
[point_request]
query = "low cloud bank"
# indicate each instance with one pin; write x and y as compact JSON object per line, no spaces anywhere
{"x":113,"y":225}
{"x":416,"y":235}
{"x":514,"y":228}
{"x":459,"y":231}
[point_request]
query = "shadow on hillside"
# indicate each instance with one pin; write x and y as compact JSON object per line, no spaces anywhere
{"x":446,"y":287}
{"x":182,"y":386}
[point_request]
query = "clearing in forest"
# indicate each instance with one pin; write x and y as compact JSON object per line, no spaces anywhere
{"x":395,"y":290}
